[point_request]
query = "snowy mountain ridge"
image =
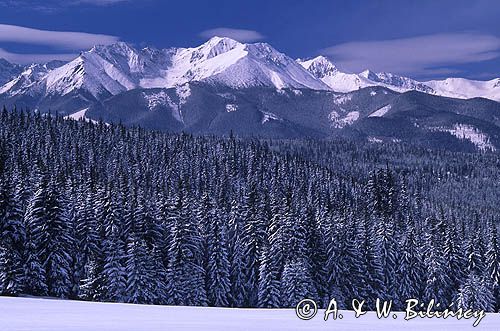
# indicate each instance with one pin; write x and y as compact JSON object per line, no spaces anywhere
{"x":325,"y":70}
{"x":104,"y":71}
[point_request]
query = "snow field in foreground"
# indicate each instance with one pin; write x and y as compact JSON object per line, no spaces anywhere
{"x":29,"y":314}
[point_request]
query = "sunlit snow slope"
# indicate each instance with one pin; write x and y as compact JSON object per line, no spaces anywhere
{"x":21,"y":314}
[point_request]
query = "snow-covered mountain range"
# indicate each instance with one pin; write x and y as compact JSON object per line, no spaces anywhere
{"x":109,"y":70}
{"x":461,"y":88}
{"x":105,"y":71}
{"x":254,"y":90}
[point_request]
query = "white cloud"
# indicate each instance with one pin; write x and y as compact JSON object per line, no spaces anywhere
{"x":59,"y":39}
{"x":422,"y":55}
{"x":37,"y":58}
{"x":236,"y":34}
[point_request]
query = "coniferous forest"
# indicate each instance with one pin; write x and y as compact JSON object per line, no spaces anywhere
{"x":107,"y":213}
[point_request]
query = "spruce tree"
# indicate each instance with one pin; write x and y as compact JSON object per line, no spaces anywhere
{"x":36,"y":237}
{"x":12,"y":241}
{"x":475,"y":294}
{"x":140,"y":273}
{"x":410,"y":271}
{"x":113,"y":270}
{"x":185,"y":269}
{"x":218,"y":277}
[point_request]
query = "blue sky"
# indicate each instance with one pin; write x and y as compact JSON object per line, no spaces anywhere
{"x":421,"y":39}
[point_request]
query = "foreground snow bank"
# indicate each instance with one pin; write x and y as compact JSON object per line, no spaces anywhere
{"x":23,"y":314}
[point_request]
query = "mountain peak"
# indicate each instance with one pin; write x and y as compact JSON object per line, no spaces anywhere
{"x":368,"y":74}
{"x":216,"y":46}
{"x":320,"y":66}
{"x":119,"y":47}
{"x":216,"y":39}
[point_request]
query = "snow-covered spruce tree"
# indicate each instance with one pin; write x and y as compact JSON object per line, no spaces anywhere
{"x":317,"y":242}
{"x":12,"y":240}
{"x":174,"y":289}
{"x":410,"y":270}
{"x":354,"y":275}
{"x":91,"y":285}
{"x":36,"y":237}
{"x":160,"y":248}
{"x":271,"y":259}
{"x":336,"y":247}
{"x":252,"y":238}
{"x":374,"y":280}
{"x":386,"y":232}
{"x":269,"y":295}
{"x":297,"y":281}
{"x":237,"y":257}
{"x":58,"y":251}
{"x":87,"y":235}
{"x":185,"y":271}
{"x":474,"y":251}
{"x":143,"y":273}
{"x":493,"y":261}
{"x":140,"y":273}
{"x":438,"y":283}
{"x":475,"y":293}
{"x":218,"y":278}
{"x":382,"y":246}
{"x":453,"y":253}
{"x":113,"y":248}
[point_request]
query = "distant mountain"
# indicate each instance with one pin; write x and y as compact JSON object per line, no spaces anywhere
{"x":373,"y":114}
{"x":466,"y":89}
{"x":324,"y":69}
{"x":253,"y":89}
{"x":105,"y":71}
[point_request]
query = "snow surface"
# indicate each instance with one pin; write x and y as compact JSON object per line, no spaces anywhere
{"x":81,"y":115}
{"x":342,"y":99}
{"x":474,"y":135}
{"x":267,"y":116}
{"x":78,"y":115}
{"x":348,"y":119}
{"x":381,"y":111}
{"x":471,"y":133}
{"x":462,"y":88}
{"x":26,"y":314}
{"x":230,"y":107}
{"x":375,"y":140}
{"x":183,"y":93}
{"x":155,"y":100}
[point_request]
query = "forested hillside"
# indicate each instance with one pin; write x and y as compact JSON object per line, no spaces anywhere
{"x":106,"y":213}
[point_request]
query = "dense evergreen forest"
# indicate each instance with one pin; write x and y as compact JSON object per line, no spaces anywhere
{"x":107,"y":213}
